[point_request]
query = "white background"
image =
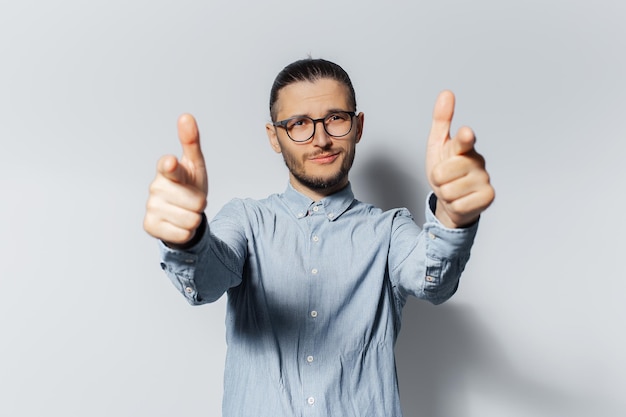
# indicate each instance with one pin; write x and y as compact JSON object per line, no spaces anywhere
{"x":89,"y":97}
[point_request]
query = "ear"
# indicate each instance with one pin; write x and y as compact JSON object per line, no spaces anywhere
{"x":360,"y":119}
{"x":273,"y":138}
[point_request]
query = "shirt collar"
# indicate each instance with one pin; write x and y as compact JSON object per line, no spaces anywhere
{"x":334,"y":205}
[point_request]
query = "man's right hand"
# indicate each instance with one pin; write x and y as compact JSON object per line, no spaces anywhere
{"x":178,"y":194}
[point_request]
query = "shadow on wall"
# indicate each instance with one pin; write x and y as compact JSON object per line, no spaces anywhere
{"x":446,"y":358}
{"x":384,"y":184}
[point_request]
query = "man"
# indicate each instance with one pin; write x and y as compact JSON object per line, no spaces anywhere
{"x":316,"y":280}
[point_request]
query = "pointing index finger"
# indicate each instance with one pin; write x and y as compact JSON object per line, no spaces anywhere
{"x":189,"y":137}
{"x":442,"y":117}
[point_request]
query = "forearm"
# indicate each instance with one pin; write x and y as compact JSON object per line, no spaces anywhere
{"x":203,"y":269}
{"x":432,"y":268}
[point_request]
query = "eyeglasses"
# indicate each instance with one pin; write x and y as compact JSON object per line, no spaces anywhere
{"x":302,"y":128}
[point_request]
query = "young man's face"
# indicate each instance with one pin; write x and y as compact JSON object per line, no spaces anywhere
{"x":319,"y":166}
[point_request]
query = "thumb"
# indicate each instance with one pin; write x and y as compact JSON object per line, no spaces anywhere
{"x":464,"y":141}
{"x":189,"y":137}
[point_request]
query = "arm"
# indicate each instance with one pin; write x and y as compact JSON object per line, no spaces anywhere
{"x":429,"y":264}
{"x":175,"y":216}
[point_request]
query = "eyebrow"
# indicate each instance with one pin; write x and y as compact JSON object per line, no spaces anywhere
{"x":330,"y":111}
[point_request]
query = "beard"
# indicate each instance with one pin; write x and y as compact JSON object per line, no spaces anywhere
{"x":319,"y":183}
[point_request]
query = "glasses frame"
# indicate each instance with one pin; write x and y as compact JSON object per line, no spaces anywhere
{"x":283,"y":124}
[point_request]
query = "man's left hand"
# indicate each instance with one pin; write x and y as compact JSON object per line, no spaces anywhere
{"x":455,"y":171}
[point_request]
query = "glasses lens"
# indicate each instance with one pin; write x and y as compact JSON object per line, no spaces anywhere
{"x":300,"y":129}
{"x":338,"y":124}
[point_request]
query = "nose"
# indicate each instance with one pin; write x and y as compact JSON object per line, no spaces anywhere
{"x":320,"y":137}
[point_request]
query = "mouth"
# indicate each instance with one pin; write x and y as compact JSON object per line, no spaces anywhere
{"x":324,"y":158}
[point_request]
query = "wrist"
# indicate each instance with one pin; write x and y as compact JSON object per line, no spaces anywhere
{"x":459,"y":222}
{"x":195,"y":239}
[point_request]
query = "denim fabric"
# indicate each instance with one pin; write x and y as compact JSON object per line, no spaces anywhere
{"x":315,"y":297}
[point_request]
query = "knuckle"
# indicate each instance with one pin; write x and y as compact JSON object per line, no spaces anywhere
{"x":153,"y":205}
{"x":156,"y":186}
{"x":198,"y":205}
{"x":459,"y":207}
{"x":445,"y":193}
{"x":149,"y":224}
{"x":437,"y":175}
{"x":490,"y":195}
{"x":481,"y":177}
{"x":153,"y":187}
{"x":185,"y":236}
{"x":197,"y":220}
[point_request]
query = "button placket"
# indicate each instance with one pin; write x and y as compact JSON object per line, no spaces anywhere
{"x":309,"y":351}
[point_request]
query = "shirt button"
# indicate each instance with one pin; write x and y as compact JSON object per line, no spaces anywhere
{"x":430,"y":279}
{"x":309,"y":359}
{"x":316,"y":208}
{"x":188,"y":290}
{"x":300,"y":214}
{"x":315,"y":238}
{"x":331,"y":215}
{"x":313,"y":313}
{"x":310,"y":400}
{"x":431,"y":235}
{"x":314,"y":271}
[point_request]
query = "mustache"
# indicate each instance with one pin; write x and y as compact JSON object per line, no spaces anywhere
{"x":322,"y":153}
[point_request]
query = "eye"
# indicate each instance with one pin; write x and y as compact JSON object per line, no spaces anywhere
{"x":338,"y":117}
{"x":298,"y":122}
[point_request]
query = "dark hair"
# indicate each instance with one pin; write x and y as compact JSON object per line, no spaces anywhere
{"x":310,"y":69}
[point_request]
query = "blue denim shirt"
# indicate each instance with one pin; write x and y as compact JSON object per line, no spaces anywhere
{"x":315,"y":297}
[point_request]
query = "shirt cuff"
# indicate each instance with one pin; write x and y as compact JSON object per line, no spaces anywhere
{"x":449,"y":243}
